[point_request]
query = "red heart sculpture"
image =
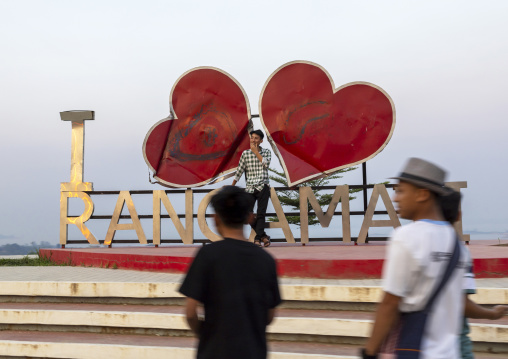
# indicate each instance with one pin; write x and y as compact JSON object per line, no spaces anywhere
{"x":208,"y":135}
{"x":317,"y":129}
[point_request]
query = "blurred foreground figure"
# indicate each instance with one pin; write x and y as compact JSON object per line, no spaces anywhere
{"x":423,"y":302}
{"x":236,"y":281}
{"x":450,"y":206}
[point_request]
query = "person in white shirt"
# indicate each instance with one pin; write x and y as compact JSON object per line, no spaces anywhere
{"x":417,"y":257}
{"x":450,"y":206}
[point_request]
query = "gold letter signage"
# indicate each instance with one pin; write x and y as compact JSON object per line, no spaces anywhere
{"x":124,"y":198}
{"x":368,"y":221}
{"x":78,"y":221}
{"x":187,"y":233}
{"x":341,"y":195}
{"x":76,"y":185}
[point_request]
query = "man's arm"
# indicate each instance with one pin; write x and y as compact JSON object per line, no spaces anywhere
{"x":191,"y":314}
{"x":267,"y":159}
{"x":195,"y":287}
{"x":271,"y":315}
{"x":386,"y":316}
{"x":475,"y":311}
{"x":239,"y":170}
{"x":255,"y":149}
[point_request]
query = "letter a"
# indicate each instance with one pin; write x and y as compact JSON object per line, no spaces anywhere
{"x":379,"y":189}
{"x":124,"y":197}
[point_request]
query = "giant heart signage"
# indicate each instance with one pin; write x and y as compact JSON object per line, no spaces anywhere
{"x":316,"y":129}
{"x":207,"y":135}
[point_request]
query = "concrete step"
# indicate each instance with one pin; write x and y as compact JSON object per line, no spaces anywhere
{"x":291,"y":292}
{"x":315,"y":324}
{"x":92,"y":346}
{"x":42,"y":306}
{"x":109,"y":283}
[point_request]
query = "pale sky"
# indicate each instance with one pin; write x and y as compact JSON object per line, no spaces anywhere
{"x":444,"y":63}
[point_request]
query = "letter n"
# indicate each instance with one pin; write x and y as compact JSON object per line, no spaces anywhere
{"x":187,"y":233}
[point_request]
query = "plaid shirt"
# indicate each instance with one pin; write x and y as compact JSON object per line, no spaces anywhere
{"x":256,"y":172}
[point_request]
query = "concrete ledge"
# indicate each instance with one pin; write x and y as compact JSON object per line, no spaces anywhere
{"x":92,"y":318}
{"x":321,"y":326}
{"x":491,"y":296}
{"x":492,"y":333}
{"x":296,"y":292}
{"x":331,"y":293}
{"x":93,"y":351}
{"x":91,"y":289}
{"x":281,"y":325}
{"x":317,"y":260}
{"x":90,"y":351}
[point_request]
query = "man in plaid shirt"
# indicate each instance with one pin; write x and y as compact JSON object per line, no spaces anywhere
{"x":255,"y":163}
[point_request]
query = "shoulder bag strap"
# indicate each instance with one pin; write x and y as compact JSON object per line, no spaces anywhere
{"x":452,"y":263}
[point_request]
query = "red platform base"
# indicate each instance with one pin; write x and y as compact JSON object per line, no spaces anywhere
{"x":315,"y":260}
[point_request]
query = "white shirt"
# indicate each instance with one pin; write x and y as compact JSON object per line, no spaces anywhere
{"x":418,"y":254}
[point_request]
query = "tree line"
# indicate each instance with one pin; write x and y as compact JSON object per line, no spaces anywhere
{"x":24,"y":249}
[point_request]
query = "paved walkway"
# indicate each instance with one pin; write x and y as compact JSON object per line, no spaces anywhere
{"x":101,"y":275}
{"x":19,"y":256}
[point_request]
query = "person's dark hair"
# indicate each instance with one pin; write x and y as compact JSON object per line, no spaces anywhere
{"x":450,"y":206}
{"x":232,"y":205}
{"x":258,"y":132}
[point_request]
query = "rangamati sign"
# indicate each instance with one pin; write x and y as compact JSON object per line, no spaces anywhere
{"x":313,"y":128}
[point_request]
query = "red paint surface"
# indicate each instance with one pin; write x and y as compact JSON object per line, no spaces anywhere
{"x":330,"y":269}
{"x":209,"y":134}
{"x":327,"y":261}
{"x":127,"y":260}
{"x":317,"y":128}
{"x":490,"y":267}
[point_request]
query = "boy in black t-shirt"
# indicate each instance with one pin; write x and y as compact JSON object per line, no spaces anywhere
{"x":237,"y":283}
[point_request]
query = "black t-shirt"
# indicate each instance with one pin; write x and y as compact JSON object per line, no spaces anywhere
{"x":237,"y":283}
